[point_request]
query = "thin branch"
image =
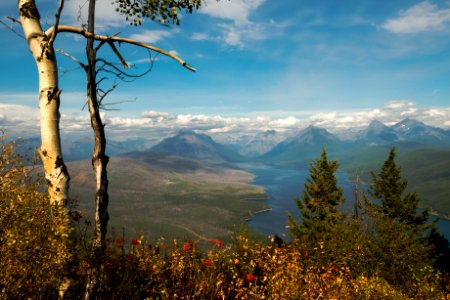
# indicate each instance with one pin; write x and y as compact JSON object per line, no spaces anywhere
{"x":66,"y":71}
{"x":12,"y":29}
{"x":71,"y":57}
{"x":14,"y":20}
{"x":99,"y":46}
{"x":104,"y":42}
{"x":80,"y":31}
{"x":117,"y":70}
{"x":117,"y":53}
{"x":115,"y":103}
{"x":118,"y":75}
{"x":104,"y":94}
{"x":57,"y":18}
{"x":101,"y":79}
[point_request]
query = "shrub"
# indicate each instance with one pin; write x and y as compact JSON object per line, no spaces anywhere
{"x":33,"y":234}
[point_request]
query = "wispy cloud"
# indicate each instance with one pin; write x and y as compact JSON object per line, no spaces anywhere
{"x":199,"y":36}
{"x":239,"y":29}
{"x":237,"y":11}
{"x":421,"y":17}
{"x":151,"y":36}
{"x":240,"y":35}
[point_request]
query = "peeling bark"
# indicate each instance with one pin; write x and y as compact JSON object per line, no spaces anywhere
{"x":56,"y":174}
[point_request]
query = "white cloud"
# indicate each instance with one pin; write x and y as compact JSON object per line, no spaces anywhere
{"x":19,"y":119}
{"x":24,"y":120}
{"x":237,"y":11}
{"x":434,"y":113}
{"x":389,"y":114}
{"x":320,"y":117}
{"x":120,"y":122}
{"x":234,"y":35}
{"x":398,"y":104}
{"x":240,"y":29}
{"x":154,"y":114}
{"x":288,"y":122}
{"x":76,"y":122}
{"x":421,"y":17}
{"x":151,"y":36}
{"x":198,"y":36}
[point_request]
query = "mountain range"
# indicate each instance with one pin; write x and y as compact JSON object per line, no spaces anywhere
{"x":269,"y":145}
{"x":423,"y":154}
{"x":306,"y":144}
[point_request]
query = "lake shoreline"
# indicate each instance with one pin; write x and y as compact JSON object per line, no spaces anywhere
{"x":283,"y":185}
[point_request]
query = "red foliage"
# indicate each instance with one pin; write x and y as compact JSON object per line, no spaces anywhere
{"x":207,"y":262}
{"x":251,"y":277}
{"x":187,"y":246}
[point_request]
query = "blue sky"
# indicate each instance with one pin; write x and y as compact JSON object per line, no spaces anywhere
{"x":261,"y":64}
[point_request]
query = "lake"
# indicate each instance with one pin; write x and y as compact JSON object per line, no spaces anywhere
{"x":283,"y":185}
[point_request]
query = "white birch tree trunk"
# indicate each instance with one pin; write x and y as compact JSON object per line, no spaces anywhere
{"x":56,"y":174}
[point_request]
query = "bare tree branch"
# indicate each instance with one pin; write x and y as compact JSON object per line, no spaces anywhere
{"x":105,"y":93}
{"x":105,"y":106}
{"x":71,"y":57}
{"x":66,"y":71}
{"x":118,"y":72}
{"x":117,"y":53}
{"x":57,"y":18}
{"x":101,"y":79}
{"x":14,"y":20}
{"x":113,"y":39}
{"x":11,"y":28}
{"x":99,"y":45}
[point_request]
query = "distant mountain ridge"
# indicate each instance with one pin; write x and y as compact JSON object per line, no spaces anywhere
{"x":303,"y":146}
{"x":377,"y":132}
{"x":269,"y":145}
{"x":255,"y":145}
{"x":308,"y":142}
{"x":406,"y":131}
{"x":197,"y":146}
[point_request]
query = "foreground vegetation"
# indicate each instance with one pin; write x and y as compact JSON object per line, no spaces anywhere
{"x":331,"y":256}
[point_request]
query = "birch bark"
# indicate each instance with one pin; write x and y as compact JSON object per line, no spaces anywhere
{"x":56,"y":174}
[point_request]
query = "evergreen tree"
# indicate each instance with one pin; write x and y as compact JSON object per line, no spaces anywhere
{"x":400,"y":228}
{"x":389,"y":197}
{"x":321,"y":196}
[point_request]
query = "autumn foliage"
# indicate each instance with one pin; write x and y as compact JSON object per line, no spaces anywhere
{"x":344,"y":263}
{"x":33,"y":234}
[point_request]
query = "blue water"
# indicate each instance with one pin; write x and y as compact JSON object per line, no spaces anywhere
{"x":283,"y":185}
